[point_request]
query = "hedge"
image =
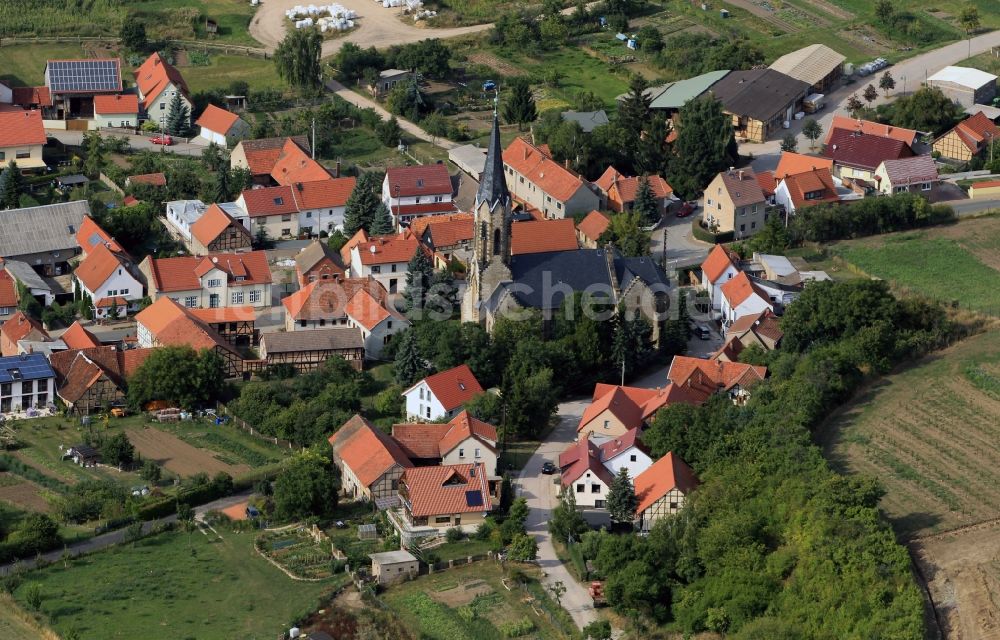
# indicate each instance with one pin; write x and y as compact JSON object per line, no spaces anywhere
{"x":707,"y":236}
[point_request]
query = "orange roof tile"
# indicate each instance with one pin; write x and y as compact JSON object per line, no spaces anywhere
{"x":270,"y":201}
{"x":83,"y":373}
{"x":540,"y":236}
{"x":8,"y":290}
{"x":453,"y":387}
{"x":767,"y":182}
{"x":173,"y":325}
{"x":212,"y":223}
{"x":21,"y":128}
{"x":791,"y":163}
{"x":366,"y":310}
{"x":388,"y":249}
{"x":153,"y":76}
{"x":320,"y":194}
{"x":116,"y":104}
{"x":619,"y":404}
{"x":908,"y":136}
{"x":99,"y":265}
{"x":113,"y":301}
{"x":594,"y":225}
{"x":19,"y":325}
{"x":366,"y":450}
{"x":90,"y":235}
{"x":419,"y":180}
{"x":77,"y":337}
{"x":262,"y":154}
{"x":182,"y":273}
{"x":535,"y":165}
{"x":359,"y":237}
{"x":718,"y":261}
{"x":420,"y":440}
{"x":446,"y":489}
{"x":817,"y":181}
{"x":686,"y":370}
{"x":975,"y":130}
{"x":294,"y":165}
{"x":28,"y":96}
{"x":329,"y":299}
{"x":622,"y":189}
{"x":465,"y":426}
{"x":445,"y":230}
{"x":666,"y":474}
{"x":217,"y":120}
{"x":739,"y":288}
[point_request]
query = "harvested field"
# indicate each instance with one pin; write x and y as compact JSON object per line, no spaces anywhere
{"x":22,"y":493}
{"x":463,"y":593}
{"x":177,"y":456}
{"x":765,"y":13}
{"x":832,"y":9}
{"x":496,"y":63}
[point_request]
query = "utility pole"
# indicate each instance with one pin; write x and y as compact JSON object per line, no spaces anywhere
{"x":314,"y":138}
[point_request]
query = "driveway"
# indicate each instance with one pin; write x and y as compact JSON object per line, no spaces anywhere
{"x":138,"y":143}
{"x":682,"y":247}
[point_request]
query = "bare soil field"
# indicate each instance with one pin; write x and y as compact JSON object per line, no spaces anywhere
{"x":178,"y":456}
{"x":22,"y":493}
{"x":496,"y":63}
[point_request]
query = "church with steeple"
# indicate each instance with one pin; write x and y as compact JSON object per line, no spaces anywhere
{"x":499,"y":283}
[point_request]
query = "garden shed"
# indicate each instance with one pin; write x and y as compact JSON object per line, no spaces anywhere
{"x":389,"y":567}
{"x":367,"y":532}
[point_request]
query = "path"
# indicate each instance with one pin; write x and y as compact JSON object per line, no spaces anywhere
{"x":118,"y":536}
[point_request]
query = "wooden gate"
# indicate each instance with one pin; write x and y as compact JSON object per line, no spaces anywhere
{"x":77,"y":125}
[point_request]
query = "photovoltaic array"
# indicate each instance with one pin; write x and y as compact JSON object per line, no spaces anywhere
{"x":82,"y":76}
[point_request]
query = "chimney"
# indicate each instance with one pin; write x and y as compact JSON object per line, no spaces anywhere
{"x":731,"y":170}
{"x":741,"y":174}
{"x":566,"y":163}
{"x":336,"y":173}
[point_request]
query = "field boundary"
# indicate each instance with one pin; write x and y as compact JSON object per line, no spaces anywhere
{"x":218,"y":47}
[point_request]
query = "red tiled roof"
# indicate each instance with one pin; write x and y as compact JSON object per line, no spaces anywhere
{"x":114,"y":301}
{"x":104,"y":356}
{"x":173,"y":325}
{"x":28,"y":96}
{"x":648,"y":400}
{"x":212,"y":223}
{"x":540,"y":236}
{"x":666,"y":474}
{"x":321,"y":194}
{"x":816,"y":181}
{"x":719,"y":259}
{"x":535,"y":165}
{"x":328,"y":299}
{"x":153,"y":76}
{"x":182,"y":273}
{"x":76,"y":337}
{"x":619,"y":404}
{"x":8,"y":290}
{"x":420,"y":440}
{"x":985,"y":184}
{"x":453,"y":387}
{"x":90,"y":235}
{"x":622,"y":189}
{"x":130,"y":201}
{"x":465,"y":426}
{"x":294,"y":165}
{"x":791,"y":163}
{"x":594,"y":225}
{"x":271,"y":201}
{"x":19,"y":325}
{"x":118,"y":103}
{"x":764,"y":323}
{"x":217,"y":120}
{"x":619,"y":445}
{"x":418,"y":180}
{"x":366,"y":450}
{"x":721,"y":375}
{"x":132,"y":359}
{"x":864,"y":151}
{"x":359,"y":237}
{"x":739,"y":288}
{"x":21,"y":128}
{"x":907,"y":171}
{"x":155,"y":179}
{"x":82,"y":375}
{"x":767,"y":182}
{"x":99,"y":265}
{"x":366,"y":310}
{"x":975,"y":130}
{"x":218,"y":315}
{"x":446,"y":489}
{"x":874,"y":128}
{"x":444,"y":230}
{"x":581,"y":457}
{"x":427,"y":208}
{"x":388,"y":249}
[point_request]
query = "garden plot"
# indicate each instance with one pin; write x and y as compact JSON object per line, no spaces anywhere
{"x":179,"y":457}
{"x":299,"y":552}
{"x":22,"y":493}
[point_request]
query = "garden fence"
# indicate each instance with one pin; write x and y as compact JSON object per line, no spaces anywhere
{"x":221,"y":409}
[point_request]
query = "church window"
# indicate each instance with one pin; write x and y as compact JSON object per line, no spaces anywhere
{"x":496,"y":242}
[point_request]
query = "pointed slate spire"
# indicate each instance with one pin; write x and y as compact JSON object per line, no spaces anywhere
{"x":493,"y":184}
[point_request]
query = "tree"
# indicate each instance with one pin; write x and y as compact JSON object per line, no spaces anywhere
{"x":622,"y":501}
{"x":11,"y":186}
{"x":625,"y":232}
{"x":969,"y":18}
{"x":389,"y":132}
{"x":359,"y":212}
{"x":789,"y":143}
{"x":33,"y":596}
{"x":240,"y":180}
{"x":409,"y":365}
{"x":522,"y":548}
{"x":926,"y":109}
{"x":308,"y":485}
{"x":598,"y":630}
{"x":179,"y":375}
{"x":178,"y":117}
{"x":854,"y":105}
{"x":93,"y":149}
{"x":213,"y":158}
{"x":297,"y":59}
{"x":567,"y":522}
{"x":519,"y":107}
{"x":117,"y":450}
{"x":418,"y":280}
{"x":886,"y":83}
{"x":633,"y":113}
{"x":133,"y":34}
{"x":812,"y":130}
{"x":221,"y":189}
{"x":705,"y":145}
{"x":36,"y":532}
{"x":870,"y":94}
{"x":381,"y":223}
{"x":151,"y":472}
{"x":645,"y":202}
{"x":884,"y":11}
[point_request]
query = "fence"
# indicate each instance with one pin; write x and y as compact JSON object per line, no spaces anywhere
{"x":205,"y":46}
{"x":239,"y":423}
{"x":110,"y":184}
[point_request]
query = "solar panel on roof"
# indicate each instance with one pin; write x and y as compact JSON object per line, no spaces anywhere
{"x":67,"y":76}
{"x":474,"y":498}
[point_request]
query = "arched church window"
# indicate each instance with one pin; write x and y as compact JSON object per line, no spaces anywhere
{"x":496,"y":242}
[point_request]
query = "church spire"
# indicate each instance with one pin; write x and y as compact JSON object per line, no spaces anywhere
{"x":493,"y":184}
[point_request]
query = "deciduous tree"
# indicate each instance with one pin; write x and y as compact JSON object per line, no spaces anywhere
{"x":812,"y":130}
{"x":886,"y":83}
{"x":969,"y":18}
{"x":133,"y":34}
{"x":308,"y":485}
{"x":789,"y":143}
{"x":179,"y":375}
{"x":870,"y":94}
{"x":297,"y":59}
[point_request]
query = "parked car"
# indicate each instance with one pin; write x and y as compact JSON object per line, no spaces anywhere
{"x":548,"y":468}
{"x":703,"y":332}
{"x":163,"y":139}
{"x":686,"y":209}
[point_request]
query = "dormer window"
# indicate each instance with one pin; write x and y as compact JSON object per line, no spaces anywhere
{"x":240,"y":278}
{"x":461,"y":385}
{"x":420,"y":183}
{"x":279,"y":201}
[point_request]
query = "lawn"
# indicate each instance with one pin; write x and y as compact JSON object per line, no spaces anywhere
{"x":18,"y":624}
{"x":956,"y":264}
{"x":24,"y":64}
{"x":931,"y":435}
{"x":166,"y":19}
{"x":470,"y":602}
{"x":224,"y":69}
{"x":174,"y":586}
{"x":461,"y":549}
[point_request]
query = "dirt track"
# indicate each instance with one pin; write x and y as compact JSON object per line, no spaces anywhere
{"x":177,"y":456}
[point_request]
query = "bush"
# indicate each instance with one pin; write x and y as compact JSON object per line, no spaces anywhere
{"x":517,"y":628}
{"x":485,"y":530}
{"x":454,"y":534}
{"x":703,"y":234}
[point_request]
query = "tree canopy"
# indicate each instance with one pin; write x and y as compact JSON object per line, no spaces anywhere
{"x":179,"y":375}
{"x":297,"y":59}
{"x":308,"y":485}
{"x":705,"y":145}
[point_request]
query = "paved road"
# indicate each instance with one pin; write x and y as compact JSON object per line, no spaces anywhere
{"x":75,"y":138}
{"x":118,"y":536}
{"x":970,"y":207}
{"x":682,"y":247}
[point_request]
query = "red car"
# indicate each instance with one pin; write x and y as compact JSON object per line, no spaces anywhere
{"x":163,"y":139}
{"x":686,"y":209}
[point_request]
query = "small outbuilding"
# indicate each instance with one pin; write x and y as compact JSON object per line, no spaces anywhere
{"x":83,"y":455}
{"x":390,"y":567}
{"x":817,"y":64}
{"x":469,"y":158}
{"x":965,"y":85}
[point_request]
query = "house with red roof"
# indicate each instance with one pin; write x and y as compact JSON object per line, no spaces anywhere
{"x":721,"y":266}
{"x":159,"y":82}
{"x":414,"y":192}
{"x":971,"y":137}
{"x":447,"y":235}
{"x":322,"y":203}
{"x":438,"y":498}
{"x":591,"y":228}
{"x":90,"y":379}
{"x":77,"y":337}
{"x":542,"y":236}
{"x":91,"y":235}
{"x":615,"y":410}
{"x":762,"y":329}
{"x":215,"y":231}
{"x":868,"y":127}
{"x":118,"y":110}
{"x":462,"y":440}
{"x":800,"y":190}
{"x":856,"y":155}
{"x":20,"y":327}
{"x":533,"y":177}
{"x":22,"y":137}
{"x":8,"y":293}
{"x":260,"y":156}
{"x":109,"y":278}
{"x":165,"y":323}
{"x":584,"y":474}
{"x":662,"y":490}
{"x":917,"y":174}
{"x":219,"y":280}
{"x":32,"y":98}
{"x":317,"y":261}
{"x":370,"y":462}
{"x":385,"y":258}
{"x":158,"y":179}
{"x":619,"y":190}
{"x":271,"y":210}
{"x":441,"y":395}
{"x":293,"y":165}
{"x":741,"y":296}
{"x":715,"y":376}
{"x":222,"y":127}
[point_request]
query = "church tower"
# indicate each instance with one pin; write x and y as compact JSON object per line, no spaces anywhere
{"x":491,"y":241}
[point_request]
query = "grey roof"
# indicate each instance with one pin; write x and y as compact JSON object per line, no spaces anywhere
{"x":810,"y":64}
{"x":50,"y":227}
{"x":388,"y":73}
{"x":232,"y":209}
{"x":469,"y":158}
{"x":313,"y":253}
{"x":73,"y":179}
{"x":588,"y":120}
{"x":188,"y":210}
{"x":29,"y":366}
{"x":493,"y":182}
{"x":41,"y":347}
{"x":674,"y":96}
{"x":23,"y":272}
{"x":313,"y":340}
{"x":392,"y":557}
{"x":758,"y":93}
